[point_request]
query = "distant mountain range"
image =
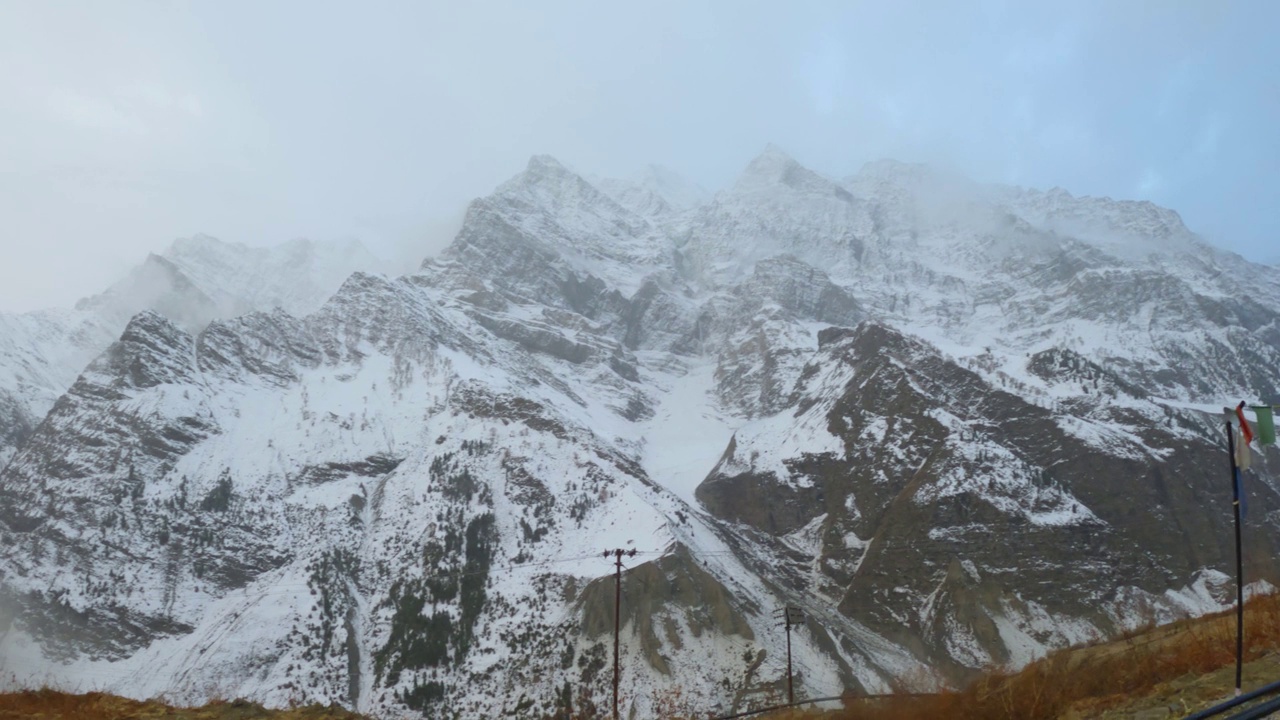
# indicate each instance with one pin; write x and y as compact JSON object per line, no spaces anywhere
{"x":956,"y":424}
{"x":195,"y":281}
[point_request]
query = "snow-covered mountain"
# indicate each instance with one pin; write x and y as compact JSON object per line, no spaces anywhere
{"x":956,"y":424}
{"x":194,"y":281}
{"x":200,"y":279}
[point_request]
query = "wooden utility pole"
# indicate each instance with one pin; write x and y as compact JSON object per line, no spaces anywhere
{"x":617,"y":616}
{"x":791,"y":616}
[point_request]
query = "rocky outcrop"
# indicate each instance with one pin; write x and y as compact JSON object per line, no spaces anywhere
{"x":668,"y":600}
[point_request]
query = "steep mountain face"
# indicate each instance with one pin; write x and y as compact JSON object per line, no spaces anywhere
{"x":957,"y":425}
{"x":195,"y":281}
{"x":956,"y":517}
{"x":43,"y":352}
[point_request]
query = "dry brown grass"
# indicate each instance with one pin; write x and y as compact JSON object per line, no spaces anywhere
{"x":49,"y":704}
{"x":1088,"y":681}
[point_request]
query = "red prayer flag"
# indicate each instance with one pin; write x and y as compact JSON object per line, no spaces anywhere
{"x":1244,"y":425}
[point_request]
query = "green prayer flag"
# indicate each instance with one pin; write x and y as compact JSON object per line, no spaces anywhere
{"x":1266,"y":424}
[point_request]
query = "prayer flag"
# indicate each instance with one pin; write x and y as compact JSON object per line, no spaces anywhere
{"x":1243,"y":454}
{"x":1266,"y":424}
{"x":1244,"y":424}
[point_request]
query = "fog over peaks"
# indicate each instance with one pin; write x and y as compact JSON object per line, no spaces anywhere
{"x":122,"y":128}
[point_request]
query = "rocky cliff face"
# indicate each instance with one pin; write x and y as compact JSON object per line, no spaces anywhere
{"x":957,"y":425}
{"x":1031,"y":512}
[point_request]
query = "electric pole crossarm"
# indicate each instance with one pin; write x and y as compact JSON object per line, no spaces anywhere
{"x":791,"y":616}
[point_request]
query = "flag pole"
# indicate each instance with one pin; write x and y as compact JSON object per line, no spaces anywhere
{"x":1235,"y":504}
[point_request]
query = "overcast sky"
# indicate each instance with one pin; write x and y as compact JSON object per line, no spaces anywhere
{"x":126,"y":124}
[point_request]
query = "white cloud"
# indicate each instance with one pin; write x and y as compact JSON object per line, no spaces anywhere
{"x":1211,"y":132}
{"x":1150,"y":184}
{"x":123,"y":126}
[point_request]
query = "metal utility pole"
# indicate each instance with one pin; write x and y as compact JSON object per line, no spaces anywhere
{"x":1235,"y":504}
{"x":791,"y":616}
{"x":617,"y":616}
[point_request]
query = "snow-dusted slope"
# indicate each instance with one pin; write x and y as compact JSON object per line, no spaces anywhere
{"x":40,"y":355}
{"x":958,"y":425}
{"x":193,"y":282}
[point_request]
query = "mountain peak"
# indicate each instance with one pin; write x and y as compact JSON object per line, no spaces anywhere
{"x":151,"y":350}
{"x":773,"y":150}
{"x":775,"y":167}
{"x":770,"y":160}
{"x":545,"y":166}
{"x":544,"y":174}
{"x":200,"y":244}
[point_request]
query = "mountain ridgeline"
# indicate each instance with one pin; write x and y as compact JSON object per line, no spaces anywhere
{"x":958,"y":425}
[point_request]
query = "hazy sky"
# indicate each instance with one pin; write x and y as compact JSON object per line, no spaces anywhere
{"x":126,"y":124}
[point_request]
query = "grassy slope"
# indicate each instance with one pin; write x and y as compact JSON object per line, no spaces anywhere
{"x":1168,"y":671}
{"x":55,"y":705}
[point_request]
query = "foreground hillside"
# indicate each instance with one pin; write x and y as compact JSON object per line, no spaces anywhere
{"x":1168,"y":671}
{"x":56,"y":705}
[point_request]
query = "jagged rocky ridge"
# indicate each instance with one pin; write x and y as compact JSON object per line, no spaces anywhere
{"x":957,"y":424}
{"x":194,"y":281}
